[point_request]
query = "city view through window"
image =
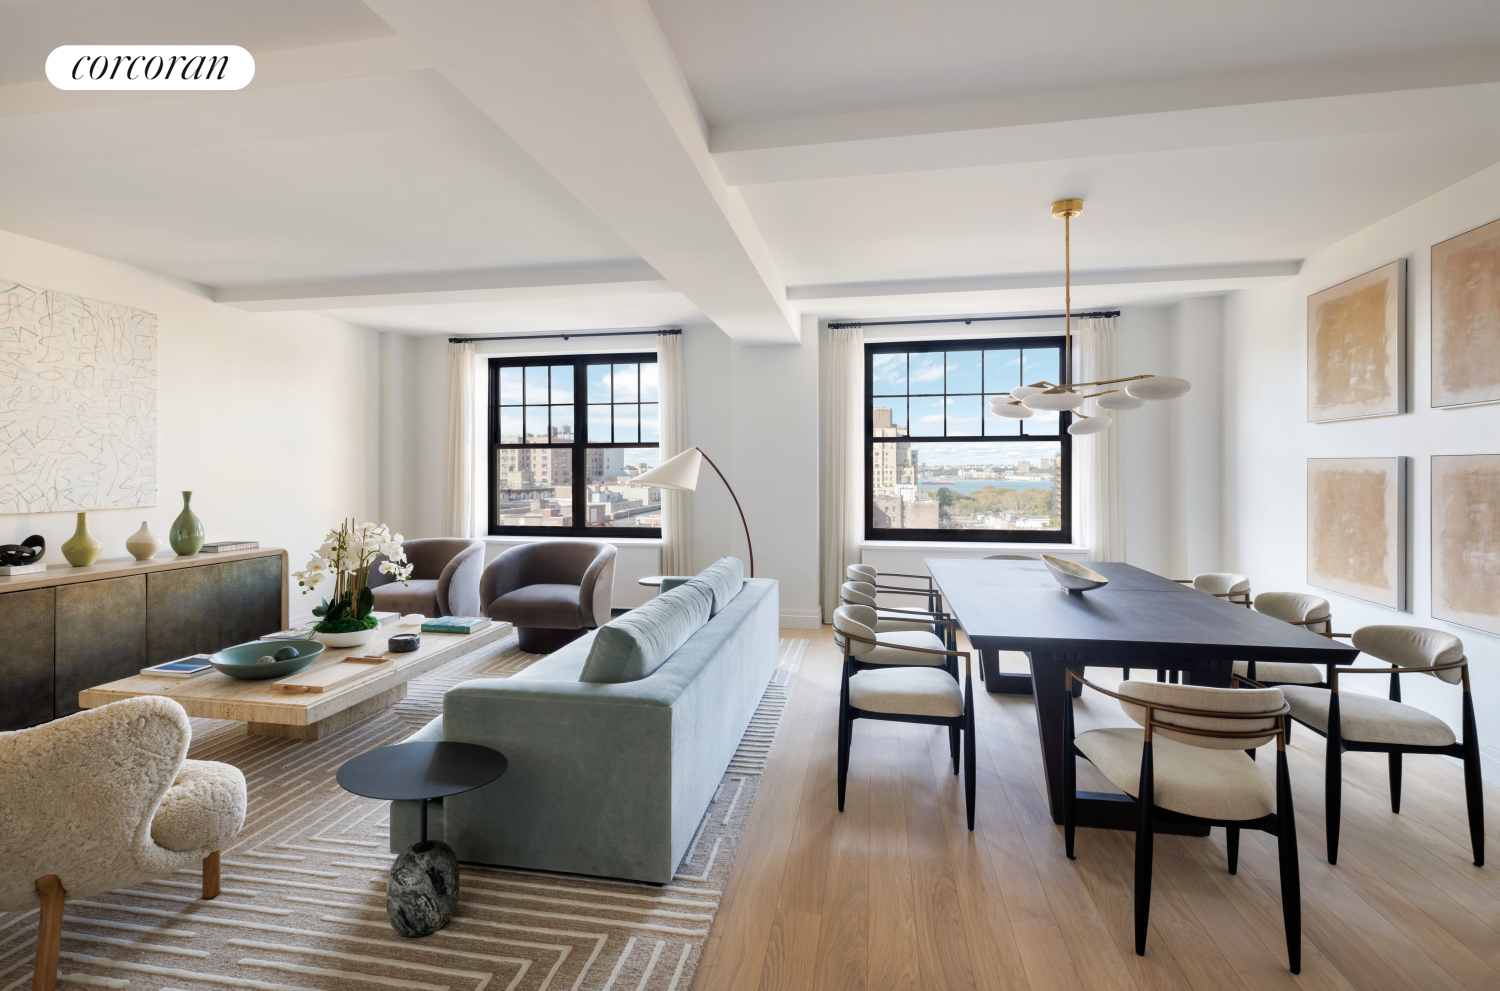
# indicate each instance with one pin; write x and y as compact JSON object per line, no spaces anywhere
{"x":940,"y":460}
{"x":542,"y":432}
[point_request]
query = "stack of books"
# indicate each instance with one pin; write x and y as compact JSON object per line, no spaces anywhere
{"x":187,"y":667}
{"x":224,"y":546}
{"x":455,"y":624}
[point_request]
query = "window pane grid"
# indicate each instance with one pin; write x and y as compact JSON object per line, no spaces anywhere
{"x":550,"y":416}
{"x":938,"y":460}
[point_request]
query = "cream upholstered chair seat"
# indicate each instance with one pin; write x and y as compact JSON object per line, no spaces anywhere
{"x":914,"y":691}
{"x":1369,"y":718}
{"x":1281,"y":672}
{"x":1212,"y":784}
{"x":105,"y":799}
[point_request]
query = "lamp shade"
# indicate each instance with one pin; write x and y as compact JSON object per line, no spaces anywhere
{"x":1089,"y":425}
{"x":677,"y":472}
{"x":1013,"y":411}
{"x":1022,"y":391}
{"x":1159,"y":387}
{"x":1118,"y":401}
{"x":1054,"y":399}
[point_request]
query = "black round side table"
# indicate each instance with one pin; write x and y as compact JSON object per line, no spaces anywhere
{"x":423,"y":888}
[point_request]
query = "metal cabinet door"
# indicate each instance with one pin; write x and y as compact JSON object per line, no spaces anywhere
{"x":101,"y":636}
{"x":26,"y":669}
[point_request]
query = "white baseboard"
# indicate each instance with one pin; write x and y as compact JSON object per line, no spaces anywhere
{"x":802,"y":619}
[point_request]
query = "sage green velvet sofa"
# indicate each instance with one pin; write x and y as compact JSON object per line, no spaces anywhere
{"x":608,"y":778}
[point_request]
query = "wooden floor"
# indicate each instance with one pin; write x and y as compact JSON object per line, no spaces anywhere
{"x":896,"y":893}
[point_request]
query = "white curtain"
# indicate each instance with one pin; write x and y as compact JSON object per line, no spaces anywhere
{"x":843,"y":518}
{"x":459,"y":505}
{"x":1101,"y":505}
{"x":677,"y":508}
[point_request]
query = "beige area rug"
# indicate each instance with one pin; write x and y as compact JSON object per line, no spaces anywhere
{"x":303,"y":903}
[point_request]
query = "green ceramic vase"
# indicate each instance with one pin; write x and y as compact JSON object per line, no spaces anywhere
{"x":82,"y":549}
{"x":186,"y":535}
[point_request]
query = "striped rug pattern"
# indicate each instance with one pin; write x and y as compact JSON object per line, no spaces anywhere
{"x":303,"y":902}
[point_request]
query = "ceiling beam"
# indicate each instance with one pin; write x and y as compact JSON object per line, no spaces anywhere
{"x":1273,"y":271}
{"x":497,"y":285}
{"x":590,"y":89}
{"x":1156,"y":115}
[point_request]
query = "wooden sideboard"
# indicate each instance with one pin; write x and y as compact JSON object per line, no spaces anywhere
{"x":69,"y":628}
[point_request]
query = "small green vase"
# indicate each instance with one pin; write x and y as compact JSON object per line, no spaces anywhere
{"x":186,"y":535}
{"x":82,"y":549}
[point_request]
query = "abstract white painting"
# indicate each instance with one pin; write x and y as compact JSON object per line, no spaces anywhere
{"x":77,"y":403}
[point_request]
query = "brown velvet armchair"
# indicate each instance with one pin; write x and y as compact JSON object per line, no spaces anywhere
{"x":444,"y":578}
{"x":552,"y":590}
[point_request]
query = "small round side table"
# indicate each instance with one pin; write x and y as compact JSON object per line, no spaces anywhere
{"x":650,"y":581}
{"x":423,"y":888}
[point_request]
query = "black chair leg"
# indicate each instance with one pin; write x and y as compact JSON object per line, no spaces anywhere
{"x":1333,"y":795}
{"x":1286,"y":850}
{"x":1250,"y":753}
{"x":1395,"y":768}
{"x":1232,"y":834}
{"x":1069,"y":778}
{"x":1473,"y":782}
{"x":846,"y":730}
{"x":970,"y":771}
{"x":1144,"y":836}
{"x":1126,"y":675}
{"x":1161,"y":674}
{"x":953,"y":732}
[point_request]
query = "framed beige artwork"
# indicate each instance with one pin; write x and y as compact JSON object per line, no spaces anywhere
{"x":1466,"y":318}
{"x":1356,"y":346}
{"x":1466,"y":540}
{"x":1356,"y":527}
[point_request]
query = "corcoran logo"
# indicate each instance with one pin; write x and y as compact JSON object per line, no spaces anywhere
{"x":150,"y":67}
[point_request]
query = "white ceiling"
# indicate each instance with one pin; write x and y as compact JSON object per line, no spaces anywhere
{"x":471,"y":166}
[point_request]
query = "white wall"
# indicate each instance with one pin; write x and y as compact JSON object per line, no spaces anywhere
{"x":1267,"y":439}
{"x":270,"y":419}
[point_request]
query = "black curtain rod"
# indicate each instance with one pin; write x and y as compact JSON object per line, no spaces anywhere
{"x":544,"y":337}
{"x":1028,"y":316}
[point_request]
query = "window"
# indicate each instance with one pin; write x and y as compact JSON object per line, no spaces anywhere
{"x":939,"y":465}
{"x":568,"y":436}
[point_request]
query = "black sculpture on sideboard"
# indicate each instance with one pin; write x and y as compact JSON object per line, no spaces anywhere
{"x":29,"y":551}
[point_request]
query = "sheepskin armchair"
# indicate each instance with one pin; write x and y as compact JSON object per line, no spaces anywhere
{"x":104,"y":799}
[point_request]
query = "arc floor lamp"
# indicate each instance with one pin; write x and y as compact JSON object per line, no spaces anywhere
{"x":680,"y":472}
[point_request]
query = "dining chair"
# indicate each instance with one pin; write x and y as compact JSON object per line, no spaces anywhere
{"x":892,"y":619}
{"x":1221,"y":585}
{"x":1186,"y":766}
{"x":889,"y":677}
{"x":1371,"y":724}
{"x":1299,"y":609}
{"x":866,"y":573}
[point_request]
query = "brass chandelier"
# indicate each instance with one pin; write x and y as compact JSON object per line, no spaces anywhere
{"x":1025,"y":400}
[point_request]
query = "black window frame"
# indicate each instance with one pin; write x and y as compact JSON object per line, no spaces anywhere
{"x":1064,"y":535}
{"x":578,"y":447}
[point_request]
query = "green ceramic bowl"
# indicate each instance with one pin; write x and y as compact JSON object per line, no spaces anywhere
{"x":239,"y":661}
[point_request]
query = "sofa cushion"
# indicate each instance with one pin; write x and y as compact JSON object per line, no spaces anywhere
{"x":416,"y":596}
{"x":630,"y":647}
{"x":548,"y":607}
{"x":723,"y":579}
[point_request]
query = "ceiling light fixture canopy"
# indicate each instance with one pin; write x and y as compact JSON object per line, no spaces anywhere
{"x":1054,"y":397}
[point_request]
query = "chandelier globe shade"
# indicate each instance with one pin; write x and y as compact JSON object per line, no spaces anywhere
{"x":1159,"y":387}
{"x":1022,"y":391}
{"x":1089,"y":425}
{"x":1119,"y":401}
{"x":679,"y":472}
{"x":1054,"y":400}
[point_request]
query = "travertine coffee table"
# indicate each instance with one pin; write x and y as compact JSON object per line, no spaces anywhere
{"x":269,"y":711}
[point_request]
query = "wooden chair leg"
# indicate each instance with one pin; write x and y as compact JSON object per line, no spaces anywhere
{"x":1233,"y":837}
{"x":211,"y":876}
{"x":1395,"y":769}
{"x":1144,"y":836}
{"x":48,"y":933}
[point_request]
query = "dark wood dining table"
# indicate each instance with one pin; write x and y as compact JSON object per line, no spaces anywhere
{"x":1139,"y":620}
